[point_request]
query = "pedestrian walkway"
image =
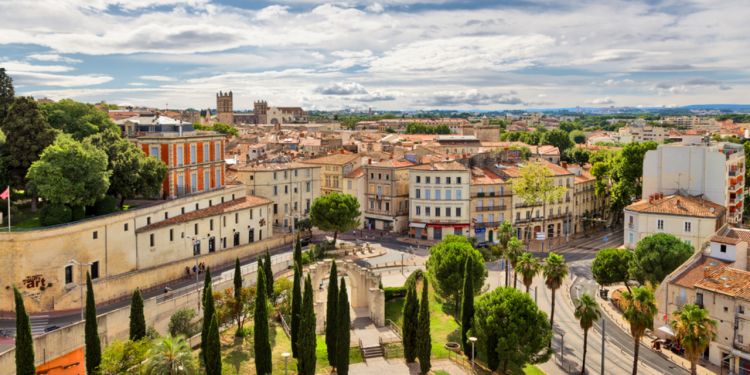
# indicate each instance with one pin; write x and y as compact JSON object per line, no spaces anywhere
{"x":397,"y":366}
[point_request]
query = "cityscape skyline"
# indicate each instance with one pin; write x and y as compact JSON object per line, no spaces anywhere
{"x":397,"y":54}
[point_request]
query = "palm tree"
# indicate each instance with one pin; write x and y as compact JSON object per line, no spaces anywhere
{"x":528,"y":265}
{"x":694,"y":330}
{"x":512,"y":252}
{"x":555,"y":271}
{"x":504,"y":234}
{"x":640,"y":308}
{"x":587,"y":312}
{"x":172,"y":356}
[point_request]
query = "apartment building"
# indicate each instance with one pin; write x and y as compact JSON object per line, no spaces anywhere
{"x":439,"y":200}
{"x":642,"y":134}
{"x":333,"y":168}
{"x":694,"y":220}
{"x":291,"y":187}
{"x":354,"y":185}
{"x":387,"y":195}
{"x":718,"y":280}
{"x":491,"y":197}
{"x":586,"y":205}
{"x":716,"y":171}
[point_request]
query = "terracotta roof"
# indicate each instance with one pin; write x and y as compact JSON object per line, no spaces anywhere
{"x":391,"y":163}
{"x":231,"y":206}
{"x":679,"y":205}
{"x":444,"y":166}
{"x":338,"y":159}
{"x":485,"y":176}
{"x":272,"y":166}
{"x":697,"y":272}
{"x":359,"y":172}
{"x":727,"y":280}
{"x":732,"y":236}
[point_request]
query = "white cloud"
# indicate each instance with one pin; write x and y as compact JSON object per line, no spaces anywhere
{"x":52,"y":57}
{"x":341,"y":88}
{"x":20,"y":66}
{"x":59,"y":80}
{"x":601,"y":101}
{"x":157,"y":78}
{"x":469,"y":97}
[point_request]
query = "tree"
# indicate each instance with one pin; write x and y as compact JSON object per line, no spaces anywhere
{"x":424,"y":340}
{"x":137,"y":319}
{"x":28,"y":134}
{"x":181,"y":322}
{"x":133,"y":172}
{"x":343,"y":325}
{"x":410,"y":323}
{"x":656,"y":256}
{"x":206,"y":286}
{"x":332,"y":314}
{"x":446,"y":265}
{"x":24,"y":341}
{"x":7,"y":94}
{"x":528,"y":266}
{"x":209,"y":309}
{"x":587,"y":312}
{"x":512,"y":253}
{"x":227,"y":307}
{"x":511,"y":330}
{"x":555,"y":271}
{"x":694,"y":330}
{"x":639,"y":310}
{"x":124,"y":357}
{"x":70,"y":172}
{"x":296,"y":309}
{"x":213,"y":349}
{"x":80,"y":120}
{"x":261,"y":338}
{"x":238,"y":301}
{"x":504,"y":234}
{"x":93,"y":346}
{"x":577,"y":137}
{"x":578,"y":155}
{"x":307,"y":337}
{"x":611,"y":266}
{"x":558,"y":138}
{"x":535,"y":185}
{"x":467,"y":306}
{"x":171,"y":356}
{"x":298,"y":252}
{"x":269,"y":276}
{"x":335,"y":212}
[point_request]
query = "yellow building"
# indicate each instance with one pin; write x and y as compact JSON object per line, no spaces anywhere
{"x":439,"y":200}
{"x":491,"y":197}
{"x":333,"y":168}
{"x":387,"y":195}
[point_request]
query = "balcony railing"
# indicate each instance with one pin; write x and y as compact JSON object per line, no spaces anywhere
{"x":488,"y":224}
{"x":491,"y":208}
{"x":524,"y":204}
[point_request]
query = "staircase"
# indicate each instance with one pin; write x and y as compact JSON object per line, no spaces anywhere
{"x":372,"y":352}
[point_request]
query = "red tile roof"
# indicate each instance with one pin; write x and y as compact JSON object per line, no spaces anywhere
{"x":231,"y":206}
{"x":681,"y":205}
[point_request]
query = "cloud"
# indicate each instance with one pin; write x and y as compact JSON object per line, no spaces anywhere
{"x":16,"y":67}
{"x":664,"y":88}
{"x":52,"y":57}
{"x":341,"y":88}
{"x":469,"y":97}
{"x":59,"y":80}
{"x":601,"y":101}
{"x":157,"y":78}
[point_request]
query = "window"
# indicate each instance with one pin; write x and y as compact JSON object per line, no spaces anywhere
{"x":296,"y":173}
{"x":427,"y":211}
{"x":307,"y":173}
{"x":660,"y":224}
{"x":274,"y":175}
{"x":426,"y":193}
{"x":217,"y":151}
{"x":437,"y":211}
{"x":458,"y":194}
{"x":155,"y":151}
{"x":211,"y":224}
{"x":387,"y":177}
{"x":419,"y":210}
{"x":458,"y":211}
{"x":437,"y":194}
{"x":447,"y":180}
{"x":206,"y":153}
{"x":286,"y":174}
{"x":458,"y":180}
{"x":148,"y":220}
{"x":206,"y":180}
{"x":349,"y":184}
{"x":418,"y":193}
{"x":419,"y":179}
{"x":372,"y":176}
{"x":95,"y":270}
{"x":723,"y":248}
{"x":387,"y":206}
{"x":68,"y":274}
{"x":699,"y":299}
{"x":286,"y":189}
{"x":180,"y":156}
{"x":447,"y":195}
{"x":740,"y":309}
{"x":193,"y":182}
{"x":275,"y":208}
{"x":193,"y":154}
{"x":218,"y":177}
{"x":197,"y":206}
{"x":95,"y":235}
{"x":236,"y":218}
{"x":275,"y":190}
{"x":448,"y":211}
{"x":372,"y":204}
{"x":687,"y":226}
{"x":182,"y":211}
{"x":427,"y":179}
{"x":171,"y":235}
{"x":125,"y":227}
{"x":380,"y":176}
{"x":195,"y":229}
{"x":437,"y":180}
{"x":151,"y":240}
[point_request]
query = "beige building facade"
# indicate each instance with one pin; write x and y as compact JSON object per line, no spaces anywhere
{"x":491,"y":197}
{"x":354,"y":185}
{"x":333,"y":168}
{"x":439,"y":200}
{"x":387,"y":195}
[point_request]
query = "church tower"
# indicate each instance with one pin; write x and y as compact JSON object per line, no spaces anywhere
{"x":225,"y":107}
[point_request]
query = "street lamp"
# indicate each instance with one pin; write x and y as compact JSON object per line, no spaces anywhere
{"x":562,"y":348}
{"x":80,"y":285}
{"x":286,"y":355}
{"x":473,"y":340}
{"x":196,"y":241}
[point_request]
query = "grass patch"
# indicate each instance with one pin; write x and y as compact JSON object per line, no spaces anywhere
{"x":441,"y":372}
{"x":394,"y":350}
{"x":321,"y":353}
{"x":532,"y":370}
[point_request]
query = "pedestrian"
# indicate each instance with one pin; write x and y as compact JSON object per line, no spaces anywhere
{"x":187,"y":271}
{"x":195,"y":269}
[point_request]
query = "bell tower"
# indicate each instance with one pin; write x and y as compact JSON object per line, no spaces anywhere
{"x":225,"y":107}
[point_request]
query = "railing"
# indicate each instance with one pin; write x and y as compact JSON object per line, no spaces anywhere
{"x":524,"y":204}
{"x":488,"y":224}
{"x":491,"y":208}
{"x":285,"y":326}
{"x":394,"y":327}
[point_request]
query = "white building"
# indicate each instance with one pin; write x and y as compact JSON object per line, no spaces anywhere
{"x":439,"y":198}
{"x":715,"y":171}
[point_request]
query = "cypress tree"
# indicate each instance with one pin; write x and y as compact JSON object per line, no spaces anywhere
{"x":209,"y":309}
{"x":24,"y":342}
{"x":238,"y":302}
{"x":261,"y":340}
{"x":298,"y":252}
{"x":93,"y":346}
{"x":137,"y":319}
{"x":411,"y":317}
{"x":343,"y":335}
{"x":307,"y":338}
{"x":296,"y":309}
{"x":467,"y":306}
{"x":424,"y":341}
{"x":213,"y":348}
{"x":206,"y":284}
{"x":331,"y":314}
{"x":269,"y":277}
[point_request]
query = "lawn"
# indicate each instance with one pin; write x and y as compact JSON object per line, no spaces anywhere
{"x":532,"y":370}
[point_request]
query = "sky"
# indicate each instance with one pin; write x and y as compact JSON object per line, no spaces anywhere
{"x":388,"y":55}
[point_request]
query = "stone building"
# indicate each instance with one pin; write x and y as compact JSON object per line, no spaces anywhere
{"x":491,"y":197}
{"x":225,"y":107}
{"x":333,"y":168}
{"x":266,"y":115}
{"x":387,"y":195}
{"x":439,"y":200}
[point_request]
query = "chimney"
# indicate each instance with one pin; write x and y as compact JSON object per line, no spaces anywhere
{"x":706,"y":272}
{"x":369,"y":161}
{"x":564,"y":164}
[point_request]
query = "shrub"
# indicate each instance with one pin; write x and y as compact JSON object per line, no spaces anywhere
{"x":395,"y":292}
{"x":412,"y":279}
{"x":104,"y":206}
{"x":181,"y":323}
{"x":78,"y":212}
{"x":53,"y":214}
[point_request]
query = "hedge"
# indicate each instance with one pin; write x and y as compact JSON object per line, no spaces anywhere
{"x":394,"y":292}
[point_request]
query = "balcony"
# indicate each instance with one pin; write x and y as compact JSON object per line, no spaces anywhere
{"x":745,"y":347}
{"x":490,"y":208}
{"x":488,"y":224}
{"x":524,"y":204}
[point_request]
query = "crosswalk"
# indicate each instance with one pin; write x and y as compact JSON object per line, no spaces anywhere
{"x":38,"y":324}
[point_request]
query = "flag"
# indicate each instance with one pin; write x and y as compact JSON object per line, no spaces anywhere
{"x":6,"y":193}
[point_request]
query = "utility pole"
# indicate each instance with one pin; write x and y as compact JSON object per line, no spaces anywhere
{"x":603,"y":336}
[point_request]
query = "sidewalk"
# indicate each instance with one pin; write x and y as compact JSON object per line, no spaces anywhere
{"x":614,"y":314}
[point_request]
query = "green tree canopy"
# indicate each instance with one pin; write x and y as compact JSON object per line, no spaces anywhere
{"x":70,"y":172}
{"x":639,"y":310}
{"x":511,"y":330}
{"x":7,"y":94}
{"x":409,"y":327}
{"x":27,"y":135}
{"x":307,"y":337}
{"x":91,"y":338}
{"x":577,"y":155}
{"x":611,"y":266}
{"x":24,"y":341}
{"x":80,"y":120}
{"x":446,"y":265}
{"x":332,"y":314}
{"x":656,"y":256}
{"x":558,"y":138}
{"x":335,"y":212}
{"x":577,"y":136}
{"x":343,"y":334}
{"x":261,"y":338}
{"x":695,"y":330}
{"x":171,"y":355}
{"x":124,"y":357}
{"x":137,"y":319}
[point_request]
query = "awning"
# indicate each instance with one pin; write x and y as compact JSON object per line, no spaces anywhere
{"x":431,"y":225}
{"x":417,"y":225}
{"x":667,"y":330}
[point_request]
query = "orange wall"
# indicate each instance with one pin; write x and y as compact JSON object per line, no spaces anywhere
{"x":74,"y":361}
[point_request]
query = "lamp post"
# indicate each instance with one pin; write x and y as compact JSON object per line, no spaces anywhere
{"x":80,"y":285}
{"x":473,"y":340}
{"x":562,"y":348}
{"x":286,"y":355}
{"x":196,"y":241}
